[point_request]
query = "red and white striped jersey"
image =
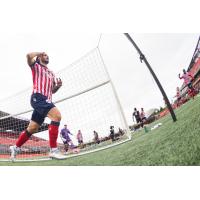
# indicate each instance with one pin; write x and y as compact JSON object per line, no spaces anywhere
{"x":43,"y":80}
{"x":186,"y":77}
{"x":178,"y":93}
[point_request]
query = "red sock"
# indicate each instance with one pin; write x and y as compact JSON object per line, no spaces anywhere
{"x":24,"y":136}
{"x":53,"y":135}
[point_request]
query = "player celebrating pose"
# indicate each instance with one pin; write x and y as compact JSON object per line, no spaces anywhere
{"x":44,"y":84}
{"x":188,"y":78}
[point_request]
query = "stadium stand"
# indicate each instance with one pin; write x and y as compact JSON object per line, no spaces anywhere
{"x":10,"y":128}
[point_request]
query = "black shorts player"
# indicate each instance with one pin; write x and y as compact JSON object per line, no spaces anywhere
{"x":41,"y":106}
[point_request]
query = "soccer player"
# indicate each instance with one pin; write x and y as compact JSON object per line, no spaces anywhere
{"x":142,"y":116}
{"x":44,"y":85}
{"x":178,"y":97}
{"x":79,"y":137}
{"x":64,"y":134}
{"x":112,"y":133}
{"x":188,"y":78}
{"x":136,"y":114}
{"x":96,"y":138}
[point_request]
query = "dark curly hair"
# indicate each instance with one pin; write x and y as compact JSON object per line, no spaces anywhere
{"x":37,"y":59}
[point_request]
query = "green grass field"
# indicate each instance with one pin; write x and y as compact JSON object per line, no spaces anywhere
{"x":172,"y":144}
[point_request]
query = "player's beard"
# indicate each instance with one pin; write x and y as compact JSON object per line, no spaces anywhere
{"x":46,"y":62}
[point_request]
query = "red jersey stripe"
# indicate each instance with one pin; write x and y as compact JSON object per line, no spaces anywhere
{"x":43,"y":80}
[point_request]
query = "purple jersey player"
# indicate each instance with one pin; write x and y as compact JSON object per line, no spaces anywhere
{"x":64,"y":134}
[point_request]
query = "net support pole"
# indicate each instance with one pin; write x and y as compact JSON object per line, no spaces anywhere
{"x":143,"y":58}
{"x":116,"y":96}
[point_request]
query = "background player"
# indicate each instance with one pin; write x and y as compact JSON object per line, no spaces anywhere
{"x":142,"y":117}
{"x":79,"y":137}
{"x":188,"y":78}
{"x":136,"y":115}
{"x":64,"y":134}
{"x":178,"y":97}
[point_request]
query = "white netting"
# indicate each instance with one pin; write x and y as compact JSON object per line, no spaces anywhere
{"x":86,"y":101}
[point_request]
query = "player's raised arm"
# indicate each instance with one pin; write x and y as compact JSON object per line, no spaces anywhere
{"x":30,"y":57}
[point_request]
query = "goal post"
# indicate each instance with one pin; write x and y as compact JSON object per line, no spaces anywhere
{"x":87,"y":101}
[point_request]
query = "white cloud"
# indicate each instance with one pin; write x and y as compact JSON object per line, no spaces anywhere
{"x":167,"y":53}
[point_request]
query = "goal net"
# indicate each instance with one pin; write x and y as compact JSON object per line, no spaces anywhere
{"x":87,"y":101}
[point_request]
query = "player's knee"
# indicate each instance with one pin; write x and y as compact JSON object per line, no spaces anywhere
{"x":32,"y":129}
{"x":57,"y":117}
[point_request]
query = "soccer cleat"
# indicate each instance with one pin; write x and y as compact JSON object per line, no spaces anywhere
{"x":14,"y":150}
{"x":56,"y":154}
{"x":66,"y":153}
